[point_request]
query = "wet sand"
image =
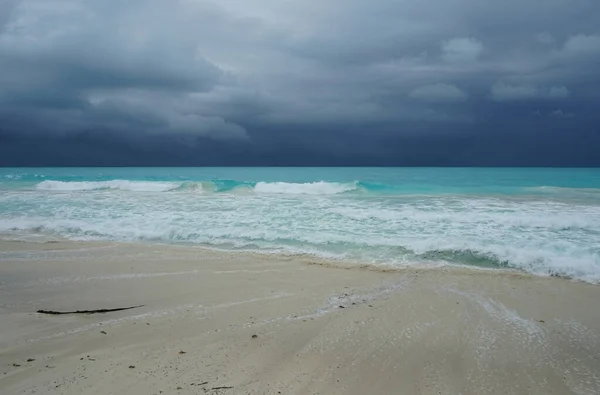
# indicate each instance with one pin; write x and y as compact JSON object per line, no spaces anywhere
{"x":275,"y":325}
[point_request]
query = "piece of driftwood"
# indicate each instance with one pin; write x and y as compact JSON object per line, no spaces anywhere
{"x":100,"y":311}
{"x":221,"y":388}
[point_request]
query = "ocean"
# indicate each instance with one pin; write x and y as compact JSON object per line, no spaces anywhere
{"x":539,"y":221}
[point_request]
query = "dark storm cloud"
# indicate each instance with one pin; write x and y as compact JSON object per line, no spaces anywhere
{"x":299,"y":82}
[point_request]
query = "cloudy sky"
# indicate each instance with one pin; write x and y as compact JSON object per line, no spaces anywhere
{"x":299,"y":82}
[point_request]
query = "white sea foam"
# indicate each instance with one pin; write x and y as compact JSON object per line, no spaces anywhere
{"x":310,"y":188}
{"x":125,"y":185}
{"x":538,"y":236}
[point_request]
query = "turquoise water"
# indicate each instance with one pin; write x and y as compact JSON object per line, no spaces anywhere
{"x":543,"y":221}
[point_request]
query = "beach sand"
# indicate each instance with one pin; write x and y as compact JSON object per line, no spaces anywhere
{"x":276,"y":325}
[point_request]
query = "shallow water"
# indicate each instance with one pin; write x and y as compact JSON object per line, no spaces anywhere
{"x":542,"y":221}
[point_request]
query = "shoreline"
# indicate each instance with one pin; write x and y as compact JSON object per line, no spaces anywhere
{"x":306,"y":259}
{"x":271,"y":325}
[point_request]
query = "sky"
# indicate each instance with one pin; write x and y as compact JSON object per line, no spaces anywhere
{"x":299,"y":82}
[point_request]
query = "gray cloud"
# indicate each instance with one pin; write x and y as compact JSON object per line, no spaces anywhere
{"x":561,"y":114}
{"x":464,"y":49}
{"x":583,"y":44}
{"x":231,"y":69}
{"x":545,"y":38}
{"x":504,"y":92}
{"x":438,"y":92}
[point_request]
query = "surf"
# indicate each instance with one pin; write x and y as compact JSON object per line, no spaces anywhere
{"x":123,"y":185}
{"x":212,"y":186}
{"x":490,"y":219}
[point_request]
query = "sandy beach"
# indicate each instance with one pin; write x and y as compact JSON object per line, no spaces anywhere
{"x":221,"y":323}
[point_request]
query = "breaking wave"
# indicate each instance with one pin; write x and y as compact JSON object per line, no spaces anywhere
{"x":280,"y":188}
{"x":377,"y":220}
{"x":123,"y":185}
{"x":311,"y":188}
{"x":390,"y":250}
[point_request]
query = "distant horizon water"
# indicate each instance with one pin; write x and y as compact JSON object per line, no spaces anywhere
{"x":544,"y":221}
